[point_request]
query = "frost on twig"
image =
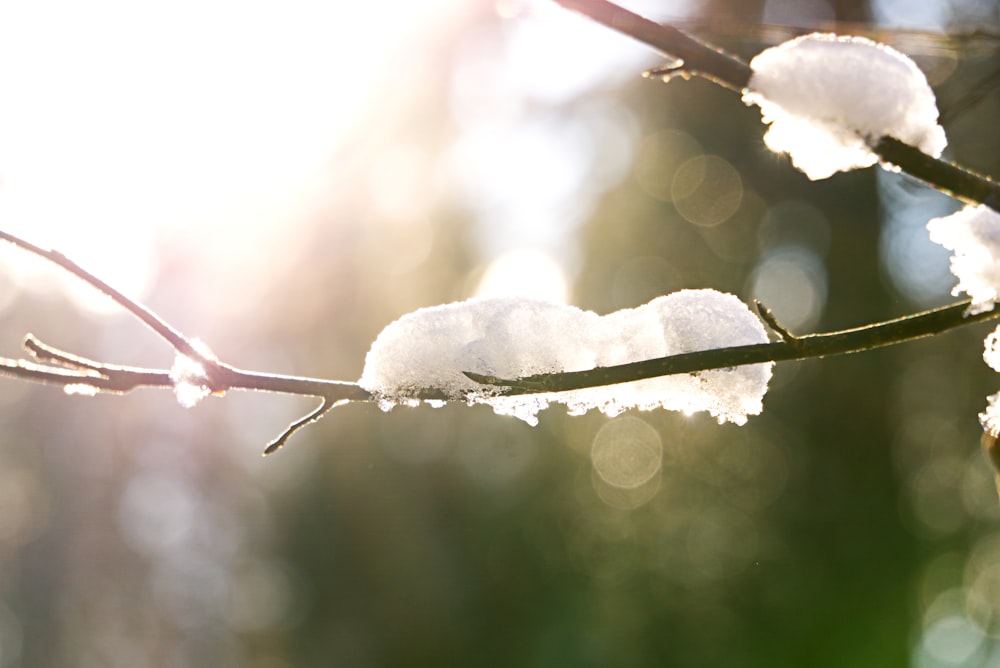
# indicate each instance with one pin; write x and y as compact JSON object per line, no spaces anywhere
{"x":512,"y":338}
{"x":190,"y":376}
{"x":829,"y":99}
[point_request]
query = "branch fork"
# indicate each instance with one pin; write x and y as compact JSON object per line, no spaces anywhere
{"x":75,"y":373}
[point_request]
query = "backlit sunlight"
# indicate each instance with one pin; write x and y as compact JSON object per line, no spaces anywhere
{"x":126,"y":122}
{"x":524,"y":273}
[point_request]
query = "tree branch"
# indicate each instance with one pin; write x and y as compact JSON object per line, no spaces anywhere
{"x":76,"y":373}
{"x":79,"y":374}
{"x":728,"y":71}
{"x":64,"y":368}
{"x":698,"y":58}
{"x":177,"y":341}
{"x":868,"y":337}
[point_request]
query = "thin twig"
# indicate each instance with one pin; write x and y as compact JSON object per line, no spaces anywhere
{"x":108,"y":378}
{"x":46,"y":353}
{"x":769,"y":318}
{"x":699,"y":58}
{"x":325,"y":406}
{"x":72,"y":371}
{"x":951,"y":179}
{"x":177,"y":341}
{"x":68,"y":368}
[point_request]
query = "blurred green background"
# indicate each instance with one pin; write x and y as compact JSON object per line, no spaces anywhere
{"x":283,"y":181}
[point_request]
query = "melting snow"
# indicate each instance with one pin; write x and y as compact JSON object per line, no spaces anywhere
{"x":827,"y":98}
{"x":516,"y":337}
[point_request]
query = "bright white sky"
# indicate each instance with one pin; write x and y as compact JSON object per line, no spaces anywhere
{"x":125,"y":122}
{"x":121,"y":120}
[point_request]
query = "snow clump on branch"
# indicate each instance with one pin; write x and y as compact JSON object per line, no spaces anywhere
{"x":828,"y":100}
{"x":516,"y":337}
{"x":973,"y":235}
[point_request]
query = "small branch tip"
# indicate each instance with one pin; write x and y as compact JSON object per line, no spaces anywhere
{"x":484,"y":379}
{"x":768,"y":317}
{"x":325,"y":406}
{"x":666,"y":72}
{"x":43,"y":352}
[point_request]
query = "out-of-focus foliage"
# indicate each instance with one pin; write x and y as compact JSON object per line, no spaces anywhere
{"x":853,"y":523}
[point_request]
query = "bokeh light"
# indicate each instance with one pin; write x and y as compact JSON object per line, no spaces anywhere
{"x":660,"y":158}
{"x":914,"y":265}
{"x":706,"y":190}
{"x":791,"y":281}
{"x":626,"y":453}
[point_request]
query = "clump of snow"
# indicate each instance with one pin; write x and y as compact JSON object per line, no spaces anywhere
{"x":991,"y":349}
{"x":189,"y":381}
{"x":990,"y":418}
{"x":189,"y":377}
{"x":512,"y":337}
{"x":828,"y":98}
{"x":973,"y":235}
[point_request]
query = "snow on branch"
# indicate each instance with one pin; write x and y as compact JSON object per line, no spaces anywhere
{"x":905,"y":139}
{"x":701,"y":333}
{"x":828,"y":99}
{"x":973,"y":235}
{"x":444,"y":347}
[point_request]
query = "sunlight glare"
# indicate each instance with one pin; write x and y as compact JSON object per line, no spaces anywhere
{"x":546,"y":163}
{"x":588,"y":54}
{"x":525,"y":273}
{"x":123,"y":122}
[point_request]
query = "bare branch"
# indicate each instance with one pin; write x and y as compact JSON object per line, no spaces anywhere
{"x":951,"y":179}
{"x":177,"y":341}
{"x":325,"y":406}
{"x":71,"y":371}
{"x":699,"y":59}
{"x":768,"y":317}
{"x":109,"y":378}
{"x":46,"y":353}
